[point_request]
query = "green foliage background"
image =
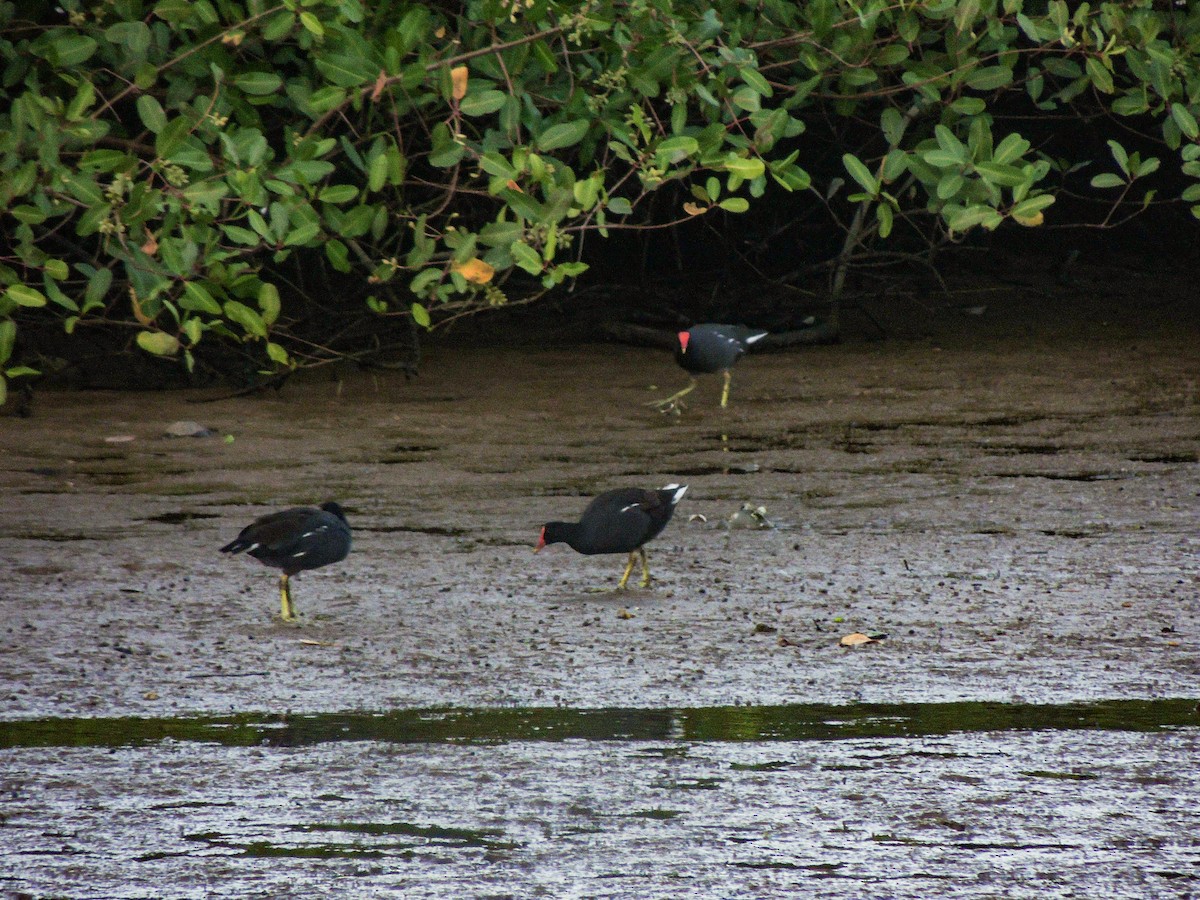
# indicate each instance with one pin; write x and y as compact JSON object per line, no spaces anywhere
{"x":192,"y":175}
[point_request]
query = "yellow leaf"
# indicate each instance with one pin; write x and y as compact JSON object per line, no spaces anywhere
{"x":694,"y":209}
{"x":151,"y":245}
{"x":458,"y":78}
{"x":475,"y":271}
{"x":1030,"y":221}
{"x":233,"y":38}
{"x":857,"y":639}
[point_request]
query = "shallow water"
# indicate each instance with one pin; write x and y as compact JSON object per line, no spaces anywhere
{"x":910,"y":801}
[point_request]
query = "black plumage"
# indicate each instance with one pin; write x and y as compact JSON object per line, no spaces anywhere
{"x":295,"y":540}
{"x":708,"y":349}
{"x":618,"y":521}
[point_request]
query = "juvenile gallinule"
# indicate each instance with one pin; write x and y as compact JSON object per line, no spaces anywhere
{"x":295,"y":540}
{"x":708,"y":349}
{"x":619,"y":521}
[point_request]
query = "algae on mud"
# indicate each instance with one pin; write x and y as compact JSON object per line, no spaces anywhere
{"x":809,"y":722}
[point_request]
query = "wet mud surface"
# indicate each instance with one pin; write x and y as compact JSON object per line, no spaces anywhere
{"x":1017,"y":512}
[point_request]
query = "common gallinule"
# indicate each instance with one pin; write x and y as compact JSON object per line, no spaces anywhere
{"x":708,"y":349}
{"x":619,"y":521}
{"x":295,"y":540}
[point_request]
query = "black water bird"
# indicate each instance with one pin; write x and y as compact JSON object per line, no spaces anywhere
{"x":618,"y":521}
{"x":295,"y":540}
{"x":708,"y":349}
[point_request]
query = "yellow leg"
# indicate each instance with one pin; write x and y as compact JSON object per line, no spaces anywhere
{"x":287,"y":613}
{"x":674,"y":403}
{"x":645,"y":568}
{"x":628,"y":569}
{"x":725,"y":393}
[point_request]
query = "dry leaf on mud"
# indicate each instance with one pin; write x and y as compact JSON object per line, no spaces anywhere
{"x":475,"y":271}
{"x":857,"y":640}
{"x":623,"y":613}
{"x":312,"y":643}
{"x":458,"y":81}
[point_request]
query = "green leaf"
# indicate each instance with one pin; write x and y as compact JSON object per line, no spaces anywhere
{"x":677,"y":148}
{"x":258,"y":83}
{"x":619,"y":206}
{"x":197,"y":298}
{"x":174,"y":11}
{"x":250,"y":321}
{"x":277,"y":353}
{"x":990,"y":78}
{"x":268,"y":302}
{"x":884,"y":215}
{"x":482,"y":103}
{"x":338,"y":193}
{"x":1119,"y":155}
{"x":194,"y":329}
{"x":526,"y":257}
{"x":1107,"y":180}
{"x":30,"y":215}
{"x":734,"y":204}
{"x":565,"y":134}
{"x":8,"y":336}
{"x":755,"y":80}
{"x":56,"y":269}
{"x":941,"y":159}
{"x":24,"y":295}
{"x":421,"y":315}
{"x":158,"y":342}
{"x":1133,"y":104}
{"x":892,"y":123}
{"x":963,"y":219}
{"x":1005,"y":176}
{"x":744,"y":167}
{"x":1185,"y":120}
{"x":68,"y":49}
{"x":1013,"y":147}
{"x":172,"y":136}
{"x":1031,"y":207}
{"x":377,"y":171}
{"x":84,"y":97}
{"x":312,"y":24}
{"x":949,"y":185}
{"x":425,"y":280}
{"x":1101,"y":78}
{"x":860,"y":173}
{"x":151,"y":113}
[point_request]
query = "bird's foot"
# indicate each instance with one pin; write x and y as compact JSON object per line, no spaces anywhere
{"x":673,"y":404}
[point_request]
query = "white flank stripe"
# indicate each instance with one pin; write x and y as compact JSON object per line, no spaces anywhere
{"x":756,"y":337}
{"x":298,"y":555}
{"x":253,"y":546}
{"x":630,"y":506}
